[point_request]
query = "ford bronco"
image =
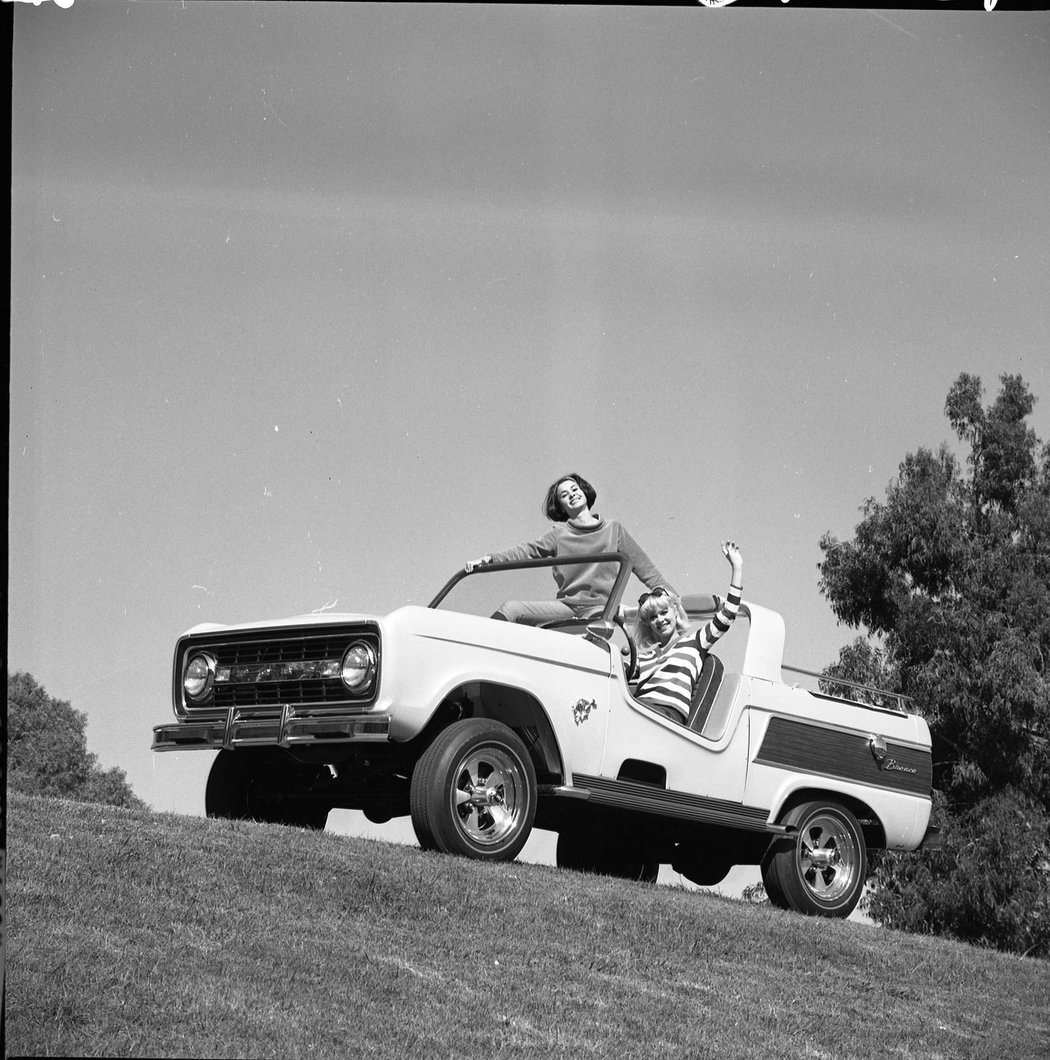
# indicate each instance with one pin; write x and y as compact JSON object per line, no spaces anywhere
{"x":480,"y":730}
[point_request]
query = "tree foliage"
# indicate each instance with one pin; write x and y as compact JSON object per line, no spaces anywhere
{"x":950,"y":576}
{"x":47,"y":749}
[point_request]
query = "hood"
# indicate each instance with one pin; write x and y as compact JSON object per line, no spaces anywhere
{"x":328,"y":618}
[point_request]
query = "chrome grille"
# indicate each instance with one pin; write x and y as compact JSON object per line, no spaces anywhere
{"x":268,"y":671}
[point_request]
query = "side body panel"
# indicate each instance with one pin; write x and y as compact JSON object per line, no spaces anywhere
{"x":430,"y":653}
{"x":801,"y":742}
{"x":694,"y":764}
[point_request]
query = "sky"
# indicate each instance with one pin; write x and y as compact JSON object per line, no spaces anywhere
{"x":311,"y":302}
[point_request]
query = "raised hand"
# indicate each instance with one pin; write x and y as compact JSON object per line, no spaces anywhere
{"x":732,"y":553}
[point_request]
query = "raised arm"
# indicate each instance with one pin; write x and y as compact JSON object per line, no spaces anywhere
{"x":725,"y":615}
{"x":542,"y":548}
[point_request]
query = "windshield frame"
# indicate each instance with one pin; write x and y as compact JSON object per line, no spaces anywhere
{"x":611,"y":605}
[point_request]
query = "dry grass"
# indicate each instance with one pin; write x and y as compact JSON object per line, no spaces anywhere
{"x":139,"y":934}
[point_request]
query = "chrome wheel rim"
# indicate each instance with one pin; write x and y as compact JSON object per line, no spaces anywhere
{"x":488,"y":796}
{"x":828,"y":858}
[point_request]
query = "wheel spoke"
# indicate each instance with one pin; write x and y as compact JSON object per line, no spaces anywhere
{"x":501,"y":818}
{"x":482,"y":798}
{"x":827,"y":859}
{"x":495,"y":779}
{"x":822,"y":884}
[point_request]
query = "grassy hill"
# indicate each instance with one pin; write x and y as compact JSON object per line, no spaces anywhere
{"x":139,"y":934}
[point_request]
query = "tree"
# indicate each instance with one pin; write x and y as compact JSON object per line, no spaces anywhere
{"x":47,"y":750}
{"x":950,"y":576}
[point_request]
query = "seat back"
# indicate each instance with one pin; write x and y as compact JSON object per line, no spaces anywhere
{"x":722,"y":707}
{"x":707,"y":686}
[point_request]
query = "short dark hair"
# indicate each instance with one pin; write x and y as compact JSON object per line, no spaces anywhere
{"x":553,"y":509}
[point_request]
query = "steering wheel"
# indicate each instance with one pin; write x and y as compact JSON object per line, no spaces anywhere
{"x":632,"y":647}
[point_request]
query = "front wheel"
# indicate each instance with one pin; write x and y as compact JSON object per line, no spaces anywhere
{"x":474,"y":792}
{"x":820,"y":870}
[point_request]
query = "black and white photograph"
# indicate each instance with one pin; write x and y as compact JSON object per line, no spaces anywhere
{"x":529,"y":531}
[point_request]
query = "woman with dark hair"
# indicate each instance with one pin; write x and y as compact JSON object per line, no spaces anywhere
{"x":583,"y":588}
{"x":669,"y":657}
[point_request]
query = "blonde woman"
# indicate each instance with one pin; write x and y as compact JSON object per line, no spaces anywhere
{"x":669,"y":656}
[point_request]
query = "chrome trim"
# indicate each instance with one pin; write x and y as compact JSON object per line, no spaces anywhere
{"x":566,"y":791}
{"x":209,"y":680}
{"x":368,"y":683}
{"x":287,"y":711}
{"x":822,"y":723}
{"x":286,"y":731}
{"x":259,"y":669}
{"x":877,"y":746}
{"x":668,"y":802}
{"x":901,"y":699}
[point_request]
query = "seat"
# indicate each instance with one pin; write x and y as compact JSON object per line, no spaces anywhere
{"x":707,"y":686}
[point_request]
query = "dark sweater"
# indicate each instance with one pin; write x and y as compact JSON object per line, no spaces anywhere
{"x":586,"y":584}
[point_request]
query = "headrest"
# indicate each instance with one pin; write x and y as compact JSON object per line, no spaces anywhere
{"x":697,"y":604}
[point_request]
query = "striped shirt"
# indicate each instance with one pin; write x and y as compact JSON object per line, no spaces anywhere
{"x":667,"y":676}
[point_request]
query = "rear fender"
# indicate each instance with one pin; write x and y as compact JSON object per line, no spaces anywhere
{"x":874,"y":833}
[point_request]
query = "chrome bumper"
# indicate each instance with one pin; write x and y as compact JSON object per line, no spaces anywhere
{"x":288,"y":730}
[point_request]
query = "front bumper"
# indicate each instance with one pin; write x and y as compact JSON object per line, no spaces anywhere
{"x":289,"y":729}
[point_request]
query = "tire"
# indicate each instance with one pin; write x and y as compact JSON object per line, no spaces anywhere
{"x":770,"y":879}
{"x":252,"y":785}
{"x":474,"y":792}
{"x":596,"y":850}
{"x":821,"y":869}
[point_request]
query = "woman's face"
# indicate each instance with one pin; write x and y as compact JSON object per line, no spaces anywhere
{"x":571,"y":498}
{"x":663,"y":621}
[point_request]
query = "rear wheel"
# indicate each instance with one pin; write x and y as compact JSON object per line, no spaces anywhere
{"x":820,"y":870}
{"x":264,"y":785}
{"x":770,"y":879}
{"x":474,"y":792}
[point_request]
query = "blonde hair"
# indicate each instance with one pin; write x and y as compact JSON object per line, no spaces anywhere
{"x":642,"y":632}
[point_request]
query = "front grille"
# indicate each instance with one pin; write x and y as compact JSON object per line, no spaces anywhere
{"x":272,"y":670}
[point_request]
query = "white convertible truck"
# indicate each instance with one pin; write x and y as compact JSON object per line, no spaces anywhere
{"x":482,"y":729}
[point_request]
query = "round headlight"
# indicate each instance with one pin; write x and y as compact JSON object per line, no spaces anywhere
{"x":359,"y":666}
{"x":198,"y":676}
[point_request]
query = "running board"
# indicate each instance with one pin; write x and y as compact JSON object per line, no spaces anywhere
{"x":647,"y":798}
